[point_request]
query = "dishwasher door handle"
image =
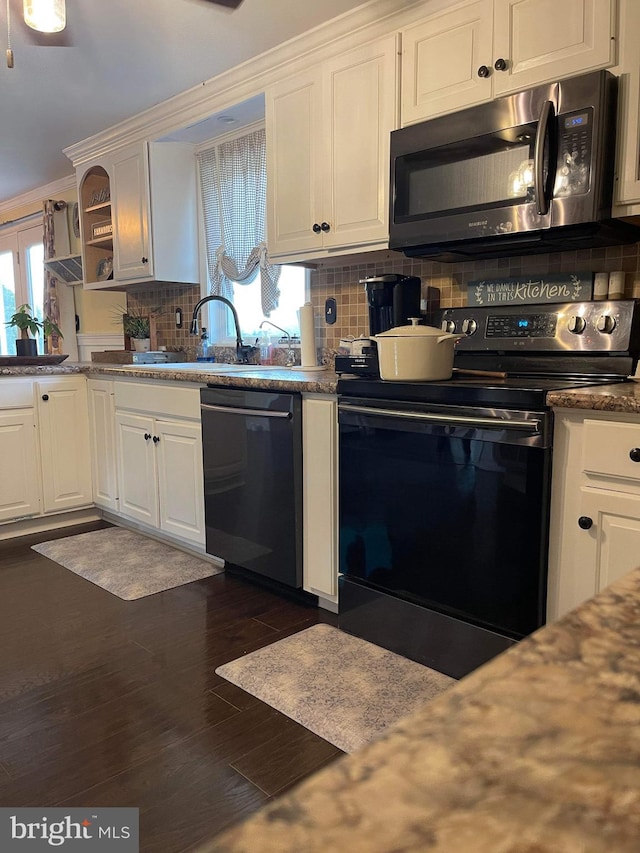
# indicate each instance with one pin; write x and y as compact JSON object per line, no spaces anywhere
{"x":259,"y":413}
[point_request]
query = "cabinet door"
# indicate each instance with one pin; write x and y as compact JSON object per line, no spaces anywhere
{"x":130,"y":206}
{"x":102,"y":437}
{"x":137,"y":479}
{"x":627,"y":187}
{"x":359,"y":112}
{"x":320,"y":495}
{"x":180,"y":480}
{"x":20,"y":481}
{"x":611,"y":546}
{"x":294,"y":184}
{"x":544,"y":40}
{"x":440,"y":60}
{"x":64,"y":442}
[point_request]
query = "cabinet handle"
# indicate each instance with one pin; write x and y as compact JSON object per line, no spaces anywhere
{"x":483,"y":71}
{"x":316,"y":228}
{"x":634,"y":454}
{"x":585,"y":522}
{"x":325,"y":226}
{"x":156,"y":439}
{"x":144,"y":260}
{"x":500,"y":64}
{"x":147,"y":436}
{"x":45,"y":397}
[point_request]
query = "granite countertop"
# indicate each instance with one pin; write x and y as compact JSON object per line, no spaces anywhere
{"x":538,"y":750}
{"x":618,"y":397}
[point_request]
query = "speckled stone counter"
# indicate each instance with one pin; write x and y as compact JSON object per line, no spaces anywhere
{"x":619,"y":397}
{"x":309,"y":381}
{"x":539,"y":750}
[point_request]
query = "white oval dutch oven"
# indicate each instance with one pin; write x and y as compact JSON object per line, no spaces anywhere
{"x":415,"y":353}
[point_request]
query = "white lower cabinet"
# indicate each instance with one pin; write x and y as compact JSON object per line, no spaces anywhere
{"x":160,"y":479}
{"x":595,"y":512}
{"x":103,"y":443}
{"x":44,"y":446}
{"x":320,"y":495}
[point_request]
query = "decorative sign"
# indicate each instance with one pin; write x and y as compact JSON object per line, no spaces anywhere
{"x":529,"y":290}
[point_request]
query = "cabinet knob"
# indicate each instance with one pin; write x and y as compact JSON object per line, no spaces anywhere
{"x":45,"y":397}
{"x":483,"y":71}
{"x":585,"y":522}
{"x":325,"y":226}
{"x":634,"y":454}
{"x":500,"y":64}
{"x":147,"y":436}
{"x":316,"y":228}
{"x":156,"y":439}
{"x":144,"y":260}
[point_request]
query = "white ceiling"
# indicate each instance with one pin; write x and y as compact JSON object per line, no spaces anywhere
{"x":121,"y":57}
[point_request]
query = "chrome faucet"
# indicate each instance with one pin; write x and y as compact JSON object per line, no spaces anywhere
{"x":291,"y":356}
{"x":242,"y":352}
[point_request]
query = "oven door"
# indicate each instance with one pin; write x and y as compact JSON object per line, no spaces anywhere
{"x":448,"y":509}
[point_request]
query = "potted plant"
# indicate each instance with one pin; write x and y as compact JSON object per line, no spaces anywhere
{"x":27,"y":322}
{"x":135,"y":325}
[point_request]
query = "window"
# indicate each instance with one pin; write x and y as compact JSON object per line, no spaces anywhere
{"x":21,"y":280}
{"x":233,"y":195}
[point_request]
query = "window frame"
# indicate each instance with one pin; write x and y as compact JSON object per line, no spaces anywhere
{"x":18,"y":239}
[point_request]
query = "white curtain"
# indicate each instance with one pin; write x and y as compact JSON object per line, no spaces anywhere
{"x":233,"y":179}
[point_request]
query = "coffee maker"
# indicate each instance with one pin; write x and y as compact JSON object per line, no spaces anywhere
{"x":392,"y":299}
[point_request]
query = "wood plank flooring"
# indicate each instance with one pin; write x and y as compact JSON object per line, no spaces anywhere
{"x":105,"y":702}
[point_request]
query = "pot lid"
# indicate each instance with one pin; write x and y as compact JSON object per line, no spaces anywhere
{"x":412,"y":331}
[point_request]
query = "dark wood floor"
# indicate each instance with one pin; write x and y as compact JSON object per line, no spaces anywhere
{"x":105,"y":702}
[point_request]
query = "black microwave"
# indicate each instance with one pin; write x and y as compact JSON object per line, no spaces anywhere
{"x":526,"y":173}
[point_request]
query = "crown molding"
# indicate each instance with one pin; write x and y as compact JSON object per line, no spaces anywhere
{"x":38,"y":194}
{"x":250,"y":78}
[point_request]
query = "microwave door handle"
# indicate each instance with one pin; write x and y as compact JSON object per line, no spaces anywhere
{"x":542,"y":202}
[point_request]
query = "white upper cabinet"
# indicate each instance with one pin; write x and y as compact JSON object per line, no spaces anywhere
{"x":628,"y":162}
{"x":478,"y":51}
{"x":328,"y":154}
{"x":152,"y":210}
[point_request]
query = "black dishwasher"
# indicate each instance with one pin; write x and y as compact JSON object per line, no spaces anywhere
{"x":252,"y":454}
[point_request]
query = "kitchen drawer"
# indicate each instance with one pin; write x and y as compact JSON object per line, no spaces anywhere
{"x":608,"y":449}
{"x":16,"y":393}
{"x":158,"y":399}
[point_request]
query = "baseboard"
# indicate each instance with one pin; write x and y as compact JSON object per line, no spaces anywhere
{"x":12,"y":529}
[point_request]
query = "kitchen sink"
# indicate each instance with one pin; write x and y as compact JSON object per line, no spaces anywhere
{"x":206,"y":367}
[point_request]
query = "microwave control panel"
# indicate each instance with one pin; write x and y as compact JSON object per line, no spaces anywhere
{"x":574,"y":153}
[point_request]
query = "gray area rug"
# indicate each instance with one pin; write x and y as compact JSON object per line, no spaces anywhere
{"x":126,"y":563}
{"x":344,"y":689}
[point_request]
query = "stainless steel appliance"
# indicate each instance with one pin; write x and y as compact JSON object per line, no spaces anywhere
{"x":252,"y":454}
{"x":444,"y":486}
{"x":529,"y":172}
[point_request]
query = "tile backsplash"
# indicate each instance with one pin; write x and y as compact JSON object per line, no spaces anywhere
{"x":446,"y":282}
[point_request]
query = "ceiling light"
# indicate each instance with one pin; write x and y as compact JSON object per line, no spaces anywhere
{"x":47,"y":16}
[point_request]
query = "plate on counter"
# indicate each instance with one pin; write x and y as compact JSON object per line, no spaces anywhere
{"x":27,"y":360}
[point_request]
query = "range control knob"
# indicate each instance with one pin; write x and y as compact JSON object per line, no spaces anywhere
{"x":448,"y":326}
{"x":606,"y":324}
{"x":469,"y":326}
{"x":576,"y":324}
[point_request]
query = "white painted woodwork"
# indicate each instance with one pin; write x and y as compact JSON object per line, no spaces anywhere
{"x":180,"y":479}
{"x":320,"y":495}
{"x":131,"y":214}
{"x":160,"y":482}
{"x":103,"y":447}
{"x":20,"y":480}
{"x":540,"y":41}
{"x":594,"y":477}
{"x":64,"y":442}
{"x":328,"y":153}
{"x":440,"y":60}
{"x":627,"y":189}
{"x":137,"y":477}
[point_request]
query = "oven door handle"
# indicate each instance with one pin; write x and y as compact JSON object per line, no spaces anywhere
{"x":231,"y":410}
{"x":532,"y":426}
